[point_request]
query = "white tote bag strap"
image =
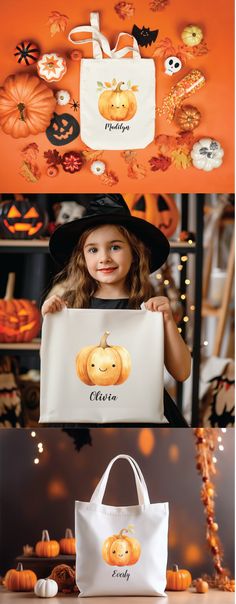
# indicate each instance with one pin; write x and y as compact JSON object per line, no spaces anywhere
{"x":143,"y":497}
{"x":100,"y":42}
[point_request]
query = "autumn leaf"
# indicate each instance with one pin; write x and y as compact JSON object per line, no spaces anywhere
{"x":165,"y":144}
{"x":124,"y":9}
{"x":30,"y":172}
{"x":134,"y":88}
{"x":181,"y":159}
{"x":53,"y":157}
{"x":100,"y":84}
{"x":89,"y":155}
{"x":160,"y":163}
{"x":164,"y":49}
{"x":109,"y":178}
{"x":57,"y":22}
{"x":129,"y":155}
{"x":30,"y":152}
{"x":136,"y":170}
{"x":108,"y":84}
{"x":114,"y":82}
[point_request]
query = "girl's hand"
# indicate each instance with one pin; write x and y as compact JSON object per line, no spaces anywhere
{"x":161,"y":304}
{"x":53,"y":304}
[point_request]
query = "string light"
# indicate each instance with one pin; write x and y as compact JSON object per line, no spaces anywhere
{"x":186,"y":319}
{"x":158,"y":276}
{"x":184,"y":258}
{"x":36,"y":460}
{"x":205,"y":343}
{"x":187,"y":282}
{"x":183,"y":297}
{"x":219,"y":439}
{"x":166,"y":282}
{"x":192,"y":307}
{"x":221,"y":448}
{"x":190,"y":241}
{"x":33,"y":434}
{"x":180,"y":267}
{"x":179,"y":329}
{"x":223,"y":430}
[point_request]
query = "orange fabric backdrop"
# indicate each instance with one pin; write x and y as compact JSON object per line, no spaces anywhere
{"x":27,"y":20}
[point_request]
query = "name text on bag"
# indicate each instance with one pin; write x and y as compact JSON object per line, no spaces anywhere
{"x":116,"y":126}
{"x":121,"y":575}
{"x":98,"y":396}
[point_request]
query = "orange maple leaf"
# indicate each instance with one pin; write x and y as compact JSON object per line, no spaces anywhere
{"x":164,"y":49}
{"x":57,"y":22}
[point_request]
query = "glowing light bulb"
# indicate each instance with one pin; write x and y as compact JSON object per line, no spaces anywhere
{"x":221,"y":448}
{"x":214,"y":459}
{"x":179,"y":329}
{"x":184,"y":258}
{"x":183,"y":296}
{"x":219,"y":439}
{"x":192,"y":307}
{"x":36,"y":460}
{"x":187,"y":281}
{"x":186,"y":319}
{"x":179,"y":267}
{"x":158,"y":276}
{"x":166,"y":282}
{"x":33,"y":434}
{"x":205,"y":343}
{"x":224,"y":430}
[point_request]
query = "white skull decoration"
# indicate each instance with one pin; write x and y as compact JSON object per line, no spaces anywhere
{"x":172,"y":65}
{"x":67,"y":211}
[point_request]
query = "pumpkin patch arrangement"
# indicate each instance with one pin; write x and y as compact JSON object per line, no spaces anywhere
{"x":103,"y":365}
{"x":28,"y":100}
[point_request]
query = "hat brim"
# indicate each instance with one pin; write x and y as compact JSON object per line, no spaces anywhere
{"x":66,"y":237}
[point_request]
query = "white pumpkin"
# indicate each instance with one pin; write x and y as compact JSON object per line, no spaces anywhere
{"x":207,"y":154}
{"x":46,"y":588}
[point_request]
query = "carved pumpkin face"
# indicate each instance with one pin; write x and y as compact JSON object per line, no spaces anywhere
{"x":63,"y":129}
{"x":120,"y":550}
{"x":103,"y":365}
{"x":160,"y":210}
{"x":117,"y":105}
{"x":19,"y":320}
{"x":22,"y":219}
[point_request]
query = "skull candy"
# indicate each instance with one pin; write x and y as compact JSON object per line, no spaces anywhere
{"x":172,"y":65}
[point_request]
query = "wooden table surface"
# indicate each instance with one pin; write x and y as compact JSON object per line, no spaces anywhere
{"x":182,"y":597}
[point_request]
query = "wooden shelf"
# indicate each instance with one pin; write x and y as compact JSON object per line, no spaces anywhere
{"x":34,"y":345}
{"x":42,"y":246}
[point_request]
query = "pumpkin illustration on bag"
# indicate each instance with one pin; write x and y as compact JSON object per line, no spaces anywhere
{"x":117,"y":105}
{"x":121,"y":550}
{"x":103,"y":365}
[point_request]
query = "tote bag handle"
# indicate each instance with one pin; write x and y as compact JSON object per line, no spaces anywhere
{"x":142,"y":492}
{"x":100,"y":42}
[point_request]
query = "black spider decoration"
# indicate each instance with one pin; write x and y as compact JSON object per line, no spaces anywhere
{"x":75,"y":105}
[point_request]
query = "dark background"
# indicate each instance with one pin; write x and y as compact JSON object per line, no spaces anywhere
{"x":36,"y":497}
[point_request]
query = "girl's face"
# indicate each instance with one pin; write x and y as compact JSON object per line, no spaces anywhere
{"x":108,"y":255}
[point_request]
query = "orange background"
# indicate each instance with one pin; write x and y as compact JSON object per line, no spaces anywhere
{"x":28,"y":20}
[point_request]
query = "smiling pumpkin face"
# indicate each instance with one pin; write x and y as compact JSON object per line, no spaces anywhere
{"x":22,"y":219}
{"x":103,"y":365}
{"x":121,"y":550}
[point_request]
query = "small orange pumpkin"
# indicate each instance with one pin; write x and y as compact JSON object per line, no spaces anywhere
{"x":67,"y":544}
{"x":117,"y":105}
{"x":26,"y":105}
{"x":120,"y":550}
{"x":178,"y":579}
{"x":103,"y":365}
{"x":201,"y":586}
{"x":47,"y":548}
{"x":20,"y":580}
{"x":159,"y":209}
{"x":188,"y":117}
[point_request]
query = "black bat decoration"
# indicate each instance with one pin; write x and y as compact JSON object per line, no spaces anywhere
{"x":144,"y":36}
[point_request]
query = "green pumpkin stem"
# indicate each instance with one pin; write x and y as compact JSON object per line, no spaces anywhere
{"x":103,"y":342}
{"x":21,"y":108}
{"x":118,"y":87}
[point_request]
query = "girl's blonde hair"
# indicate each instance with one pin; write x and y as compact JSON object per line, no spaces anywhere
{"x":78,"y":286}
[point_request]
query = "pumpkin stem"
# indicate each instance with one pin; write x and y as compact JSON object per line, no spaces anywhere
{"x":10,"y":286}
{"x":129,"y":529}
{"x":175,"y":568}
{"x":103,"y":342}
{"x":21,"y":108}
{"x":45,"y":535}
{"x":118,"y":87}
{"x":19,"y":566}
{"x":68,"y":534}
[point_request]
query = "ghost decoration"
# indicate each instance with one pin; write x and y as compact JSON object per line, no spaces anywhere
{"x":66,"y":211}
{"x":172,"y":65}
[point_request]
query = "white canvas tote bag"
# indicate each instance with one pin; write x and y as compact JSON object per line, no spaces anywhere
{"x":117,"y":94}
{"x":102,"y":366}
{"x":121,"y":551}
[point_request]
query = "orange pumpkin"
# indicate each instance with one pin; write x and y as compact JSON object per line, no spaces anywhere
{"x":47,"y":548}
{"x":26,"y":105}
{"x":20,"y":580}
{"x":67,"y":544}
{"x":120,"y":550}
{"x":159,"y":209}
{"x":178,"y":579}
{"x":103,"y":365}
{"x":117,"y":105}
{"x":201,"y":586}
{"x":20,"y":320}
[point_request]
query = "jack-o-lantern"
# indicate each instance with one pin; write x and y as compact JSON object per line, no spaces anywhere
{"x":21,"y":218}
{"x":121,"y":550}
{"x":20,"y":320}
{"x":117,"y":105}
{"x":47,"y":548}
{"x":103,"y":365}
{"x":159,"y":209}
{"x":18,"y":579}
{"x":63,"y":129}
{"x":67,"y":544}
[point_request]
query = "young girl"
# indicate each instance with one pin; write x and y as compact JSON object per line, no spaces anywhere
{"x":109,"y":255}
